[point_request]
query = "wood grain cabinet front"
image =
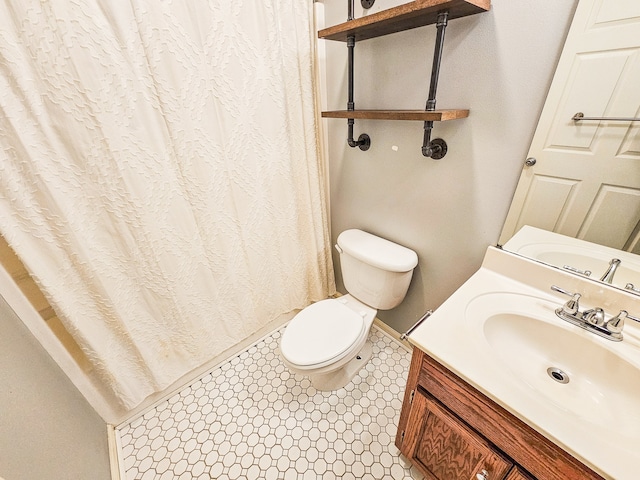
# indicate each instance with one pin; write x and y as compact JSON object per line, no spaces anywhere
{"x":517,"y":474}
{"x":444,"y":448}
{"x":449,"y":430}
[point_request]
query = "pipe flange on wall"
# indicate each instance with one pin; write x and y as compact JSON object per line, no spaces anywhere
{"x":367,"y":3}
{"x":436,"y":149}
{"x":364,"y":142}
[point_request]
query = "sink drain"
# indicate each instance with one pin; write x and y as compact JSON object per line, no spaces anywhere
{"x":558,"y":375}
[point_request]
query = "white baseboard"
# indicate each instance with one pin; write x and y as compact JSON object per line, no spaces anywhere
{"x":392,"y":333}
{"x":114,"y":458}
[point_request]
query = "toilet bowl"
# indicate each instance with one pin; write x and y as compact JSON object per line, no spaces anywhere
{"x":327,"y":341}
{"x":325,"y":337}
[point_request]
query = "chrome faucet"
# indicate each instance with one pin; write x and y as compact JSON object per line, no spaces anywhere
{"x":611,"y":271}
{"x":594,"y":319}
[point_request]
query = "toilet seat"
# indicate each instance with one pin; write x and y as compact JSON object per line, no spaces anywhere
{"x":321,"y":333}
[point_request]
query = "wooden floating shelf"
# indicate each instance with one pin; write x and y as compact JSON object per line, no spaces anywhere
{"x":422,"y":115}
{"x":403,"y":17}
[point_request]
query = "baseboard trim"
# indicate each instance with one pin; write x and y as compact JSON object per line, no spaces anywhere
{"x":114,"y":458}
{"x":392,"y":333}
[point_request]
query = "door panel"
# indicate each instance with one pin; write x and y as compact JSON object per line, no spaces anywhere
{"x":591,"y":72}
{"x":555,"y":192}
{"x":608,"y":12}
{"x":609,"y":219}
{"x":587,"y":173}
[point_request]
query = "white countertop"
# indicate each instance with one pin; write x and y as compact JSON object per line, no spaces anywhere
{"x":454,"y":337}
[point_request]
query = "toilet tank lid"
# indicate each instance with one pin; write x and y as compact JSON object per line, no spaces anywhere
{"x":377,"y":251}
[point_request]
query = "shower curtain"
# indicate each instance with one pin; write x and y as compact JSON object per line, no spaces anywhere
{"x":160,"y":174}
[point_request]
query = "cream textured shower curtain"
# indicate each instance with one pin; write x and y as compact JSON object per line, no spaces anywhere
{"x":160,"y":174}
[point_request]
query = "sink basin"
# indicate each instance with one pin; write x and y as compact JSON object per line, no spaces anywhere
{"x":562,"y":251}
{"x":499,"y":333}
{"x":573,"y":369}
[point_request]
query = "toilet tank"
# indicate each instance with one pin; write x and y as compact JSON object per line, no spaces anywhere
{"x":374,"y":270}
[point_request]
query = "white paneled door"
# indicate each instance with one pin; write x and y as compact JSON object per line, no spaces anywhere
{"x":585,"y":182}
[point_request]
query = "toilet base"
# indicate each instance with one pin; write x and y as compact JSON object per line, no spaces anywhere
{"x":337,"y":379}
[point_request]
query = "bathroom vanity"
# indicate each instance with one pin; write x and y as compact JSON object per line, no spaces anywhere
{"x":448,"y":429}
{"x":500,"y":387}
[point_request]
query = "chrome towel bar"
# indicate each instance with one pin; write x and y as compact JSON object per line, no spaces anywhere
{"x":580,"y":116}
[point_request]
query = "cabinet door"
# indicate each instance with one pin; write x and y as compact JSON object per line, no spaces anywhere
{"x":444,"y":448}
{"x":517,"y":474}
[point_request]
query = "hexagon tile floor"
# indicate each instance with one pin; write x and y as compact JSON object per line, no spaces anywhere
{"x":251,"y":418}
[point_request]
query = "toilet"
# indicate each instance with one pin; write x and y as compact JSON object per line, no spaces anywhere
{"x":327,"y":341}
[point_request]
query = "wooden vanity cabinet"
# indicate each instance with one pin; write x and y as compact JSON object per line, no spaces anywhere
{"x":444,"y":447}
{"x":449,"y":430}
{"x":517,"y":474}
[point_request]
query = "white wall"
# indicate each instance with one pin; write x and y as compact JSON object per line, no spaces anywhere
{"x":47,"y":429}
{"x":499,"y":65}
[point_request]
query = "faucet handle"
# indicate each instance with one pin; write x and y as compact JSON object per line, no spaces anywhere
{"x":616,"y":324}
{"x":585,"y":273}
{"x":572,"y":306}
{"x":635,"y":319}
{"x":631,"y":287}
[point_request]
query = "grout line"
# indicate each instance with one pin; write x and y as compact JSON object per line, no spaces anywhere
{"x":221,"y":440}
{"x":141,"y":410}
{"x":390,"y":332}
{"x":195,"y":374}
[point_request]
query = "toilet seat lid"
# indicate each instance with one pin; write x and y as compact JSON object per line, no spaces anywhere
{"x":320,"y":332}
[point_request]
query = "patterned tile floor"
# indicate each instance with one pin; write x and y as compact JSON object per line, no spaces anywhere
{"x":251,"y":418}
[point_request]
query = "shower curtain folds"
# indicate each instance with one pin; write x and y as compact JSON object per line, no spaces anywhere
{"x":160,"y":175}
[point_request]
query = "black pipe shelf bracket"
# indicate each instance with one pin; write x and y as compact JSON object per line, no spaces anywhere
{"x":364,"y":141}
{"x":436,"y":148}
{"x":396,"y":19}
